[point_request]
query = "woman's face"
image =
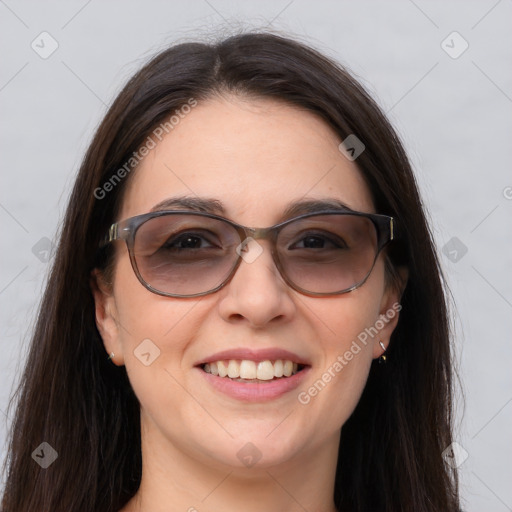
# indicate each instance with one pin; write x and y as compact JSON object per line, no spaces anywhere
{"x":255,"y":157}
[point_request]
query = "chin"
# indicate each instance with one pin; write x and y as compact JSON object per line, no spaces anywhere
{"x":259,"y":451}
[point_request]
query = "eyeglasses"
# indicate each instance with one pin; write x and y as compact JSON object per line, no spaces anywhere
{"x":189,"y":254}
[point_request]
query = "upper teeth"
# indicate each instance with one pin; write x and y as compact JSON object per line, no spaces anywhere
{"x":246,"y":369}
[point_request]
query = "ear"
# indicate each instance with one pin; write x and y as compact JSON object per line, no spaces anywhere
{"x":106,"y":316}
{"x":390,"y":308}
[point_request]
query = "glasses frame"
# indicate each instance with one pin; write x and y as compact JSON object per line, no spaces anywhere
{"x":127,"y":229}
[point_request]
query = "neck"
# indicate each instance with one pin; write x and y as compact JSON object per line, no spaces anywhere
{"x":173,"y":480}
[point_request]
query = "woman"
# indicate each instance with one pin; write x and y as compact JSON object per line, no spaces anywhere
{"x":182,"y":361}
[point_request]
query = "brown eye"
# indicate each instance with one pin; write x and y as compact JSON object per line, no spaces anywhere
{"x":318,"y":241}
{"x":187,"y":241}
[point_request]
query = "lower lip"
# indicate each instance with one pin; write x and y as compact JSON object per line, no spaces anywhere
{"x":254,"y":391}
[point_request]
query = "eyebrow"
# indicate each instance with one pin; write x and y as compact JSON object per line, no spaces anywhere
{"x":199,"y":204}
{"x":301,"y":207}
{"x":215,"y":207}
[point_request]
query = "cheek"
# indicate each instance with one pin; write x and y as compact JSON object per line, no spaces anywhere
{"x":346,"y":333}
{"x":155,"y":333}
{"x":143,"y":314}
{"x":346,"y":320}
{"x":334,"y":389}
{"x":152,"y":332}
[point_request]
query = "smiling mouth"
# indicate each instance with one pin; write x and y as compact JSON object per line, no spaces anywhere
{"x":251,"y":371}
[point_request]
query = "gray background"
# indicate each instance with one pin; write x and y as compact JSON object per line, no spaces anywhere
{"x":454,"y":115}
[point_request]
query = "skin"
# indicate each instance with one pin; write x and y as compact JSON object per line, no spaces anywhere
{"x":254,"y":155}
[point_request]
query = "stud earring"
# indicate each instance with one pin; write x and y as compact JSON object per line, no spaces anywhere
{"x":111,"y":356}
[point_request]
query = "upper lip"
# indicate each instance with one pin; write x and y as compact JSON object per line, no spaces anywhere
{"x":268,"y":354}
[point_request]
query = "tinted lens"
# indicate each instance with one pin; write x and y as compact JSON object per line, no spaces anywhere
{"x":185,"y":254}
{"x":192,"y":254}
{"x":328,"y":253}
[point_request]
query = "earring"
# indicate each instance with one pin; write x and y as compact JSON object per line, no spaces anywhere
{"x":111,"y":356}
{"x":382,"y":358}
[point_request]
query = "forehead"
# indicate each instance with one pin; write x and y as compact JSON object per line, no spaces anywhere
{"x":255,"y":156}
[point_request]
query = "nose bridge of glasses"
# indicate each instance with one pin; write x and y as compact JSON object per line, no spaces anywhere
{"x":260,"y":233}
{"x":255,"y":233}
{"x":252,"y":235}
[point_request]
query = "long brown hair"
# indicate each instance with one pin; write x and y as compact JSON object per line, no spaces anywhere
{"x":74,"y":399}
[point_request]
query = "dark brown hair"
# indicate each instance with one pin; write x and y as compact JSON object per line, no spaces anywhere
{"x":72,"y":397}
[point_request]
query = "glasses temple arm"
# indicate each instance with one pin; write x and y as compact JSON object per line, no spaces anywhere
{"x":111,"y":235}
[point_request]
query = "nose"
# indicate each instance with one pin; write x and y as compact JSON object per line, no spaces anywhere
{"x":257,"y":294}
